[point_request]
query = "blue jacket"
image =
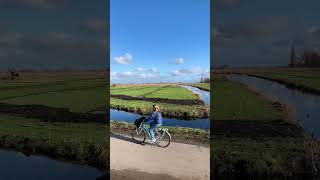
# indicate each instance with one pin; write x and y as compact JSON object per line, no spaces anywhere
{"x":155,"y":117}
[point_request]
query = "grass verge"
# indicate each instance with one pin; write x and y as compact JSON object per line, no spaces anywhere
{"x":203,"y":86}
{"x":304,"y":79}
{"x":84,"y":143}
{"x":234,"y":101}
{"x":178,"y":134}
{"x":168,"y":110}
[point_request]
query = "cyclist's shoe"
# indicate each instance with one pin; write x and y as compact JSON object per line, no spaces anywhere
{"x":153,"y":141}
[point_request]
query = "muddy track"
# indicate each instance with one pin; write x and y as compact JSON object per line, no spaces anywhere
{"x":46,"y":113}
{"x":256,"y":129}
{"x":161,"y":100}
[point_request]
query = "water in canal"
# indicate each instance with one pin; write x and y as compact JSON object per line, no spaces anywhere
{"x":195,"y":123}
{"x":15,"y":165}
{"x":305,"y":105}
{"x":204,"y":95}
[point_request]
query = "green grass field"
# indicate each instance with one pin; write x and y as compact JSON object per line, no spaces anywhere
{"x":262,"y":154}
{"x":233,"y":101}
{"x":153,"y":91}
{"x":80,"y":142}
{"x":177,"y":133}
{"x":77,"y":94}
{"x":266,"y":156}
{"x":163,"y":91}
{"x":168,"y":110}
{"x":86,"y":143}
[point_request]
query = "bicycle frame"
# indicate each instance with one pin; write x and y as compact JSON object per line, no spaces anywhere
{"x":157,"y":130}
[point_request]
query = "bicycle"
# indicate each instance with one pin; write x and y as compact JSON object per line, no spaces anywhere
{"x":139,"y":134}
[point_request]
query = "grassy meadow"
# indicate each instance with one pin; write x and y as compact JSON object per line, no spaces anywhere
{"x":84,"y":143}
{"x":204,"y":86}
{"x":154,"y":91}
{"x":160,"y":94}
{"x":253,"y":135}
{"x":178,"y":134}
{"x":234,"y":101}
{"x":76,"y":92}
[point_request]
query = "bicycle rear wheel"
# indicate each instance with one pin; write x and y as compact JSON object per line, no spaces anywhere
{"x":139,"y":135}
{"x":163,"y":139}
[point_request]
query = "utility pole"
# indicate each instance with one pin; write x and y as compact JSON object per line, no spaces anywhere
{"x":292,"y":55}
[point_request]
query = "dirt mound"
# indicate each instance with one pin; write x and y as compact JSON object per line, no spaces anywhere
{"x":161,"y":100}
{"x":46,"y":113}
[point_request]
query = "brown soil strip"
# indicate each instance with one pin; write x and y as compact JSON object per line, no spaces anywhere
{"x":46,"y":113}
{"x":161,"y":100}
{"x":256,"y":129}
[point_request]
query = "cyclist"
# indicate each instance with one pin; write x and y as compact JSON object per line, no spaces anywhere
{"x":155,"y":120}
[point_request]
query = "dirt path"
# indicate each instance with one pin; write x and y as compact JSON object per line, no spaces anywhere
{"x":180,"y":161}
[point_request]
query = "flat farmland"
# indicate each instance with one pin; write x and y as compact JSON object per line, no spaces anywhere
{"x":75,"y":91}
{"x":174,"y":100}
{"x":48,"y":113}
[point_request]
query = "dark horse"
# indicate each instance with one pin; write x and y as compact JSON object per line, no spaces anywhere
{"x":14,"y":74}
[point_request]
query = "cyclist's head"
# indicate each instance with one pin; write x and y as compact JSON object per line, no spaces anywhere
{"x":156,"y":108}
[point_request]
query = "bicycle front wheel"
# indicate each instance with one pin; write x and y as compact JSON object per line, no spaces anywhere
{"x":139,"y":135}
{"x":163,"y":139}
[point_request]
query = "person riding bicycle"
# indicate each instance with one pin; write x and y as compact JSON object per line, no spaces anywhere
{"x":155,"y":120}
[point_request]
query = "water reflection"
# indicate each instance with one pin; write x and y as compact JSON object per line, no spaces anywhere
{"x":204,"y":95}
{"x":305,"y":105}
{"x":196,"y":123}
{"x":15,"y":165}
{"x":131,"y":117}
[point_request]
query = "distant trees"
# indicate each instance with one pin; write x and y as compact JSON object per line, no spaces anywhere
{"x":204,"y":80}
{"x":308,"y":58}
{"x":223,"y":67}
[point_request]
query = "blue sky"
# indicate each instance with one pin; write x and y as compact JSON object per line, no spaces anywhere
{"x":159,"y":40}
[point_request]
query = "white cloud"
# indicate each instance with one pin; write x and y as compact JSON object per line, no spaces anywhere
{"x":147,"y":75}
{"x":154,"y":69}
{"x":138,"y":73}
{"x":188,"y":71}
{"x":179,"y":61}
{"x":140,"y":69}
{"x":126,"y":59}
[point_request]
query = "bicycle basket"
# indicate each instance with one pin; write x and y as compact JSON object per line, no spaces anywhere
{"x":138,"y":122}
